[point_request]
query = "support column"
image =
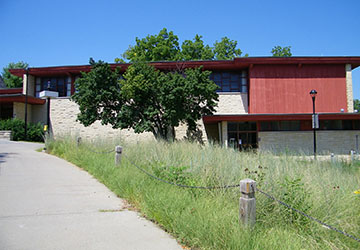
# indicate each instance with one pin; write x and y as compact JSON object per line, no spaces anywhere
{"x":224,"y":132}
{"x":349,"y":89}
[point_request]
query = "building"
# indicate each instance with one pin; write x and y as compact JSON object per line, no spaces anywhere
{"x":264,"y":102}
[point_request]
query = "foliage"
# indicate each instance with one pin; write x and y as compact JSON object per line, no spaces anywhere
{"x":161,"y":47}
{"x":146,"y":100}
{"x":226,"y":49}
{"x":279,"y":51}
{"x":165,"y":47}
{"x":196,"y":50}
{"x":10,"y":80}
{"x":34,"y":130}
{"x":294,"y":193}
{"x":210,"y":219}
{"x":357,"y":104}
{"x":98,"y":95}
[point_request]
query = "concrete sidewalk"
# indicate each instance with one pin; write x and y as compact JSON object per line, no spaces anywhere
{"x":47,"y":203}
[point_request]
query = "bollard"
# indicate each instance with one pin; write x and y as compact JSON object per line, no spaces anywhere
{"x":247,"y":202}
{"x":118,"y":152}
{"x":352,"y":154}
{"x":78,"y":141}
{"x":332,"y":158}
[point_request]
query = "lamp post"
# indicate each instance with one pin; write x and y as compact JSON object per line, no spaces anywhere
{"x":314,"y":118}
{"x":48,"y":94}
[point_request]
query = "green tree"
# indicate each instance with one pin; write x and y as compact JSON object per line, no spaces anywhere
{"x":357,"y":104}
{"x":165,"y":47}
{"x":146,"y":99}
{"x":10,"y":80}
{"x":279,"y":51}
{"x":226,"y":49}
{"x":161,"y":47}
{"x":196,"y":50}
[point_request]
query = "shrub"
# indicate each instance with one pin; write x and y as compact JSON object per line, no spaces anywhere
{"x":17,"y":127}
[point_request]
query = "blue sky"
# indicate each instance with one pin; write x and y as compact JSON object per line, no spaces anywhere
{"x":52,"y":33}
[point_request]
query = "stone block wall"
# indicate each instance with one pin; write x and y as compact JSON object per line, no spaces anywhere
{"x":331,"y":141}
{"x":63,"y":113}
{"x":19,"y":111}
{"x":232,"y":103}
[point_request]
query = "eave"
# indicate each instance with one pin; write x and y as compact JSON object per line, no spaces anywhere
{"x":237,"y":63}
{"x":10,"y":98}
{"x":279,"y":117}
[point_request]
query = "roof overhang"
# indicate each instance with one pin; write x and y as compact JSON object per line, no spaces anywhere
{"x":279,"y":117}
{"x":10,"y":98}
{"x":11,"y":91}
{"x":237,"y":63}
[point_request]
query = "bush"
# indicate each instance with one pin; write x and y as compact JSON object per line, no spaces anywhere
{"x":17,"y":127}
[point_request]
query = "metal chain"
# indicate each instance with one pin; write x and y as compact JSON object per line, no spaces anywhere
{"x":179,"y":185}
{"x":308,"y":216}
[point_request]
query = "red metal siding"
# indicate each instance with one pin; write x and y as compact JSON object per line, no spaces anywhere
{"x":282,"y":89}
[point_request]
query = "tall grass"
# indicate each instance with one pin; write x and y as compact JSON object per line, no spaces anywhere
{"x":208,"y":219}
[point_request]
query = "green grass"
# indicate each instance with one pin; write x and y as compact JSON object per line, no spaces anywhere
{"x":208,"y":219}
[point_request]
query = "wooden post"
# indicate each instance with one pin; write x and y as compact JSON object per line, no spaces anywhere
{"x":118,"y":152}
{"x":352,"y":154}
{"x":78,"y":141}
{"x":247,"y":202}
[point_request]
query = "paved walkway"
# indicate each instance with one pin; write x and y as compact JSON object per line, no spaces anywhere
{"x":48,"y":204}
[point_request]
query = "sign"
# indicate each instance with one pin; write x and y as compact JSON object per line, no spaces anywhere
{"x":315,"y":121}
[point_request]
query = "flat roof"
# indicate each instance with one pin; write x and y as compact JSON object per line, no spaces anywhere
{"x":237,"y":63}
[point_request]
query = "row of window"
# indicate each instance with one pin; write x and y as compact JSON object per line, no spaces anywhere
{"x":235,"y":127}
{"x":228,"y":81}
{"x":306,"y":125}
{"x":62,"y":85}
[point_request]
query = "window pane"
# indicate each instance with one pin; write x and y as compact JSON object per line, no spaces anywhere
{"x":232,"y":126}
{"x":226,"y":88}
{"x":347,"y":124}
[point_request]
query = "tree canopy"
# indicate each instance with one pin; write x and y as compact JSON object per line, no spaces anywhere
{"x":279,"y":51}
{"x":357,"y":104}
{"x":10,"y":80}
{"x":165,"y":47}
{"x":145,"y":99}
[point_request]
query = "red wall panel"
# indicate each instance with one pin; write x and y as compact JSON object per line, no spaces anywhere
{"x":284,"y":89}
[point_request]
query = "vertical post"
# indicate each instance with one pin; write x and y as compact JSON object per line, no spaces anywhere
{"x":247,"y":202}
{"x":332,"y":158}
{"x":78,"y":141}
{"x":352,"y":153}
{"x":26,"y":101}
{"x":118,"y":152}
{"x":357,"y":143}
{"x":313,"y":99}
{"x":48,"y":116}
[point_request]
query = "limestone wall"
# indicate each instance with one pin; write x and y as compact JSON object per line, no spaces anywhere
{"x":19,"y":111}
{"x":331,"y":141}
{"x":349,"y":89}
{"x":232,"y":103}
{"x":31,"y":87}
{"x":63,"y":113}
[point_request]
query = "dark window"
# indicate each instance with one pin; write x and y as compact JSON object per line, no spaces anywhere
{"x":61,"y":84}
{"x":242,"y":135}
{"x":280,"y":126}
{"x":331,"y":124}
{"x":231,"y":81}
{"x":290,"y":125}
{"x":6,"y":111}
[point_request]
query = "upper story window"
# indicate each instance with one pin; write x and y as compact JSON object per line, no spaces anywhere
{"x":231,"y":81}
{"x":61,"y":84}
